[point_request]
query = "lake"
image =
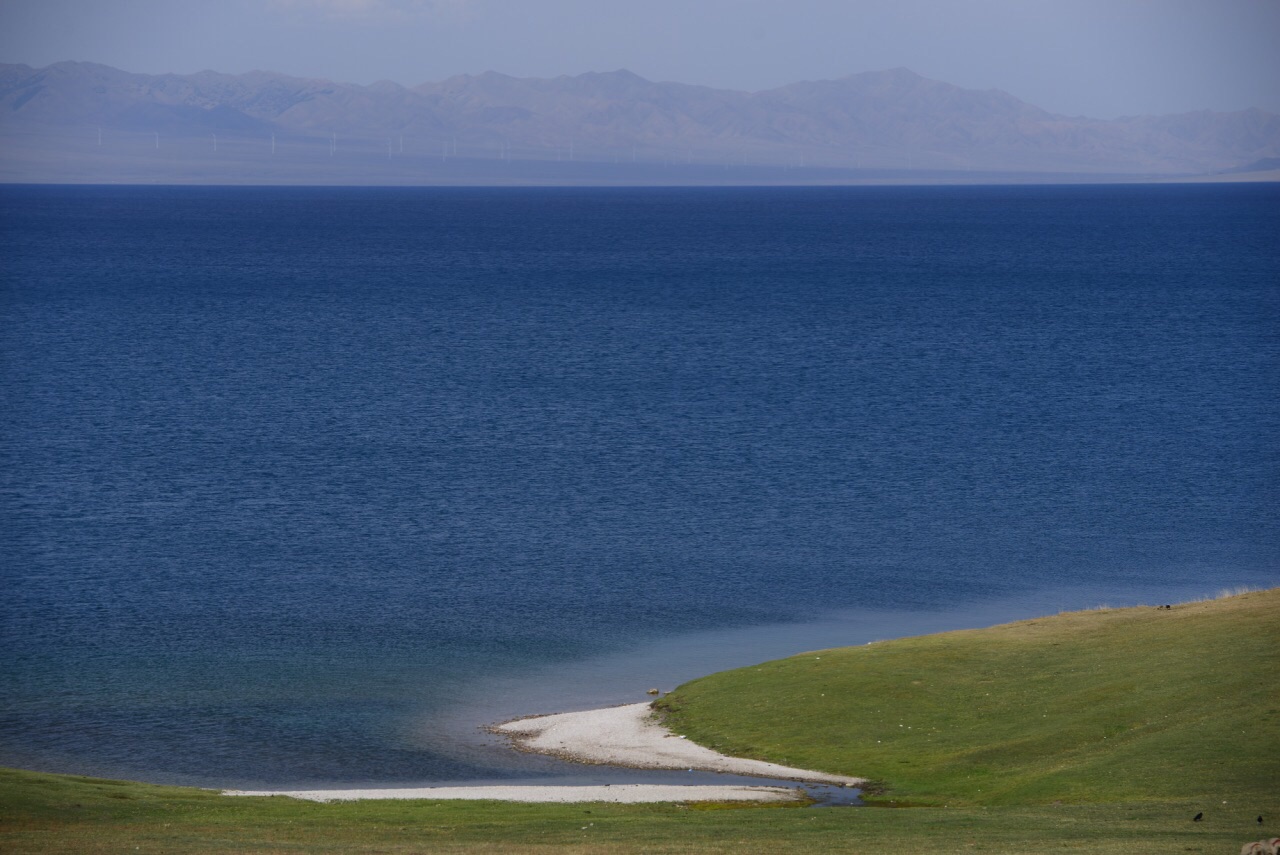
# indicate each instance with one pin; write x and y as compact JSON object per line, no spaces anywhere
{"x":301,"y":485}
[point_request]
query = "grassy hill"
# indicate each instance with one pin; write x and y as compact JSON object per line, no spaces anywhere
{"x":1092,"y":732}
{"x":1111,"y":705}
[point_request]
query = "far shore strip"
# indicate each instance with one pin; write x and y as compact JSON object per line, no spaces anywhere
{"x":616,"y":736}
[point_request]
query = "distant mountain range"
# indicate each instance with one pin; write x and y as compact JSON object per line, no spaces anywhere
{"x":78,"y":121}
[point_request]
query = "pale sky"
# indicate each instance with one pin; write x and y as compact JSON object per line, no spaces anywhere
{"x":1101,"y":58}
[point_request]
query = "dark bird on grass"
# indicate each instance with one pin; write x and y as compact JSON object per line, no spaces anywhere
{"x":1259,"y":820}
{"x":1198,"y":817}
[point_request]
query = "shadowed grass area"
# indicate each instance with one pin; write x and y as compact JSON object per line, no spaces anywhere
{"x":1134,"y":720}
{"x":1110,"y":705}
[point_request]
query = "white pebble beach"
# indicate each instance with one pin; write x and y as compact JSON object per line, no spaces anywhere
{"x":616,"y":736}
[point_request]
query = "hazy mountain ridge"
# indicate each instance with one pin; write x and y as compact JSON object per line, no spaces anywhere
{"x":884,"y":119}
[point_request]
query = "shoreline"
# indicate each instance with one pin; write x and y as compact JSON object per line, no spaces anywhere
{"x":532,"y":793}
{"x":627,"y":736}
{"x":624,"y":736}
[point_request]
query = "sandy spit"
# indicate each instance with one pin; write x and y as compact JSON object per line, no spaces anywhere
{"x":618,"y":793}
{"x":628,"y":736}
{"x":616,"y":736}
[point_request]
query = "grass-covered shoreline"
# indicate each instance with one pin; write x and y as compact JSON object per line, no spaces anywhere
{"x":1098,"y":732}
{"x":1107,"y":705}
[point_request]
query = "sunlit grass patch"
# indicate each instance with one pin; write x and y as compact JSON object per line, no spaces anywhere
{"x":1093,"y":706}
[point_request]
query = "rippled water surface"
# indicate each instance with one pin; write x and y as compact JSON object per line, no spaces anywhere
{"x":300,"y":485}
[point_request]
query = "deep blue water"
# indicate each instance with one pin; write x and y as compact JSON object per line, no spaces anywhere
{"x":288,"y":473}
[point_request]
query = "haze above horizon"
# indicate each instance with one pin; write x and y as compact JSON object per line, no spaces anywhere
{"x":1100,"y":59}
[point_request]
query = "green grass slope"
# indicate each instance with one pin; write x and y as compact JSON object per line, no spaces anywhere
{"x":1119,"y":705}
{"x":64,"y":814}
